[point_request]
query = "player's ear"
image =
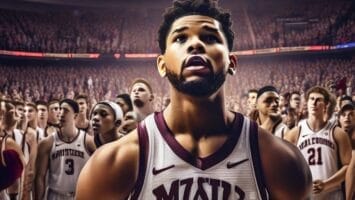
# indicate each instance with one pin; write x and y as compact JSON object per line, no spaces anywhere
{"x":232,"y":64}
{"x":151,"y":97}
{"x":161,"y":66}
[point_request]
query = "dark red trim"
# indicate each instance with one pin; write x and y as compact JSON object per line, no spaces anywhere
{"x":258,"y":170}
{"x":143,"y":157}
{"x":198,"y":162}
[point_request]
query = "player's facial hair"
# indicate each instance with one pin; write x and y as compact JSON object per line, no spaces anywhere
{"x":202,"y":87}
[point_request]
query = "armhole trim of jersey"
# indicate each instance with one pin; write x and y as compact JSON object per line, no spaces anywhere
{"x":143,"y":157}
{"x":254,"y":147}
{"x":299,"y":133}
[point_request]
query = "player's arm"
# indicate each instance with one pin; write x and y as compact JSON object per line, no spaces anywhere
{"x":282,"y":162}
{"x":349,"y":178}
{"x":44,"y":149}
{"x":292,"y":135}
{"x":344,"y":148}
{"x":111,"y":172}
{"x":30,"y":166}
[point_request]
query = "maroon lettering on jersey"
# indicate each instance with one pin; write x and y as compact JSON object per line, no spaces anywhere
{"x":161,"y":194}
{"x":217,"y":187}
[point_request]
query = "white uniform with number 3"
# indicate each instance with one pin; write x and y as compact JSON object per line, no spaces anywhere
{"x":65,"y":163}
{"x":321,"y":152}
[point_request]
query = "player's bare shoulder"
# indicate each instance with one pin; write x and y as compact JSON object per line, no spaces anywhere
{"x":282,"y":162}
{"x":112,"y":170}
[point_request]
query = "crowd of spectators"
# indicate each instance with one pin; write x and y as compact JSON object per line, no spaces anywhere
{"x":256,"y":25}
{"x":101,"y":81}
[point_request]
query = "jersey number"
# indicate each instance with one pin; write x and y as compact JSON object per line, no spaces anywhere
{"x":69,"y":169}
{"x":315,"y":156}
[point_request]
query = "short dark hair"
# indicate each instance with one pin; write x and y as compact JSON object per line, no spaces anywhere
{"x":18,"y":102}
{"x":53,"y":101}
{"x":126,"y":98}
{"x":71,"y":103}
{"x":81,"y":96}
{"x":295,"y":92}
{"x":31,"y":104}
{"x":41,"y":102}
{"x":141,"y":80}
{"x":181,"y":8}
{"x":268,"y":88}
{"x":253,"y":91}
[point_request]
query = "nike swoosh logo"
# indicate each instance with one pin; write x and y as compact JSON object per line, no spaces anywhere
{"x":59,"y":144}
{"x":233,"y":164}
{"x":304,"y":136}
{"x":158,"y":171}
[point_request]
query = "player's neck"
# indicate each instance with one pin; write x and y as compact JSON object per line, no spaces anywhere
{"x":42,"y":124}
{"x":69,"y":131}
{"x":261,"y":118}
{"x":32,"y":124}
{"x":205,"y":118}
{"x":82,"y":117}
{"x":109,"y":137}
{"x":316,"y":123}
{"x":143,"y":112}
{"x":81,"y":121}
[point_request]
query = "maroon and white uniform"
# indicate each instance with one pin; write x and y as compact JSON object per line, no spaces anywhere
{"x":320,"y":150}
{"x":171,"y":172}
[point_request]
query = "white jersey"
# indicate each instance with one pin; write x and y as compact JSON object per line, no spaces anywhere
{"x":320,"y":150}
{"x":40,"y":134}
{"x":20,"y":140}
{"x":280,"y":130}
{"x":171,"y":172}
{"x":65,"y":163}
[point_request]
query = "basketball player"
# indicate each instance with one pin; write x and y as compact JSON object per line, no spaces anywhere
{"x":295,"y":101}
{"x":347,"y":123}
{"x":106,"y":117}
{"x":53,"y":116}
{"x":129,"y":123}
{"x":268,"y":116}
{"x":20,"y":109}
{"x":11,"y":158}
{"x":82,"y":121}
{"x":321,"y":143}
{"x":142,"y":98}
{"x":27,"y":141}
{"x":31,"y":118}
{"x":124,"y":101}
{"x":42,"y":114}
{"x":63,"y":155}
{"x":251,"y":101}
{"x":196,"y":148}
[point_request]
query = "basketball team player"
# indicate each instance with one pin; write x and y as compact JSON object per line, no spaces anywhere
{"x":346,"y":119}
{"x":196,"y":148}
{"x":82,"y":121}
{"x":27,"y":142}
{"x":12,"y":161}
{"x":142,"y":98}
{"x":106,"y":117}
{"x":322,"y":145}
{"x":62,"y":155}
